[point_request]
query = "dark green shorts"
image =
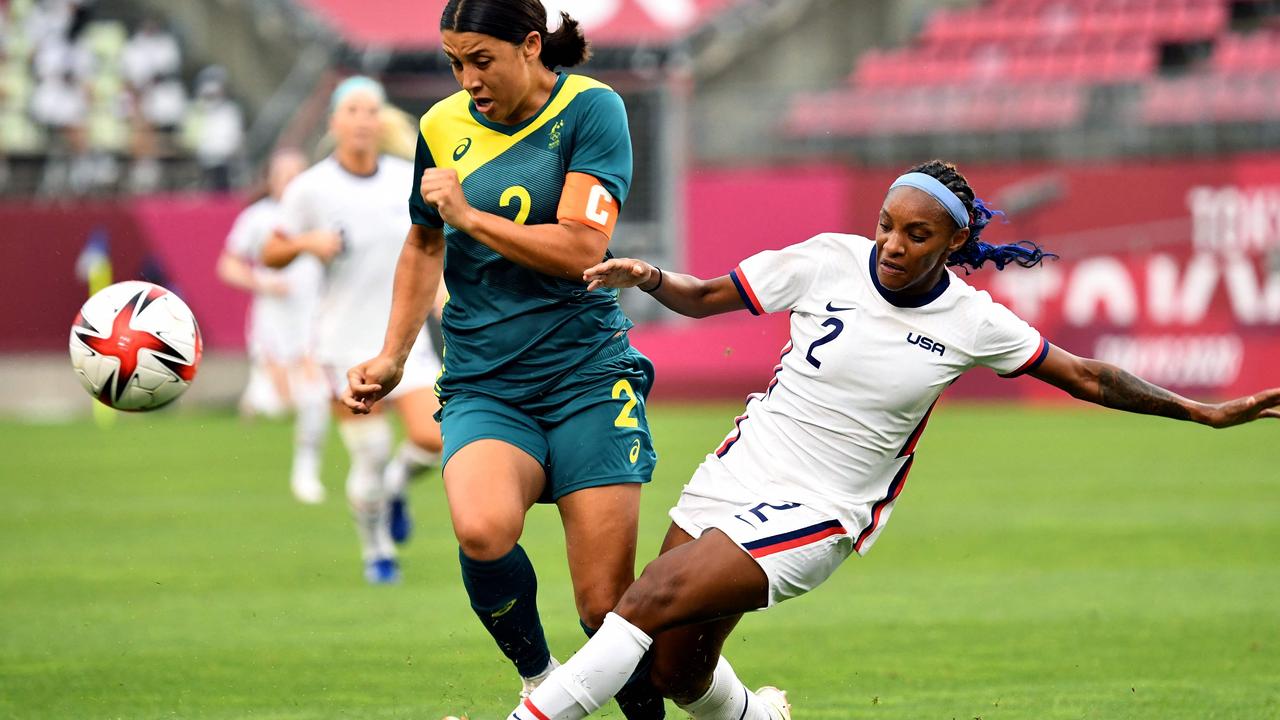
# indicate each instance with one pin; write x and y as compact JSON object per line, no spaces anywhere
{"x":590,"y":431}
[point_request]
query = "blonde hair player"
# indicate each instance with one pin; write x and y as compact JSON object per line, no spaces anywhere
{"x":346,"y":210}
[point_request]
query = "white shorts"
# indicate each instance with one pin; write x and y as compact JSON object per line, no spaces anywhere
{"x":279,"y":330}
{"x":421,"y":369}
{"x":797,"y":546}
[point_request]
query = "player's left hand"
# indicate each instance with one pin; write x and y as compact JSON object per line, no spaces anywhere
{"x":1265,"y":404}
{"x":441,"y":189}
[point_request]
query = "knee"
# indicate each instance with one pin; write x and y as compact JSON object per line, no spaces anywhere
{"x":486,"y":539}
{"x":596,"y":601}
{"x":651,"y":603}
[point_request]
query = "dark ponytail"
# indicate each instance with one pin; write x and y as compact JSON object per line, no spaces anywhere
{"x":512,"y":21}
{"x":975,"y":253}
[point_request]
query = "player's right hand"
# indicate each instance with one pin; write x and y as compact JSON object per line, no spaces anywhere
{"x":324,"y":244}
{"x":369,"y":382}
{"x":619,"y":273}
{"x":1265,"y":404}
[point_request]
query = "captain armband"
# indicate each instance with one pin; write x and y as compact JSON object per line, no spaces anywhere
{"x":586,"y":200}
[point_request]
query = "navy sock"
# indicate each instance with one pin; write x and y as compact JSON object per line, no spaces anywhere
{"x":638,"y":699}
{"x":504,"y":595}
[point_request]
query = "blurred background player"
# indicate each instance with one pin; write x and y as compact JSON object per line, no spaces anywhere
{"x":347,"y":211}
{"x":519,"y":181}
{"x":280,"y":326}
{"x":814,"y":465}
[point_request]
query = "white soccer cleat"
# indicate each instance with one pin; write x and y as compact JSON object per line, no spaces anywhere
{"x":307,"y":488}
{"x":776,"y":701}
{"x":532,"y":683}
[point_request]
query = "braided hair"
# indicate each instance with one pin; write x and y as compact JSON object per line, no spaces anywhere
{"x":975,"y":253}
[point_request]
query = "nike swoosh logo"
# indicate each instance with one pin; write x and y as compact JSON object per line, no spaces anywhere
{"x":833,"y":308}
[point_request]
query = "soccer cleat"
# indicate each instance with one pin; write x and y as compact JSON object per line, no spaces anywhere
{"x":400,"y":519}
{"x":383,"y":571}
{"x":306,"y":488}
{"x":776,"y":701}
{"x":532,"y":683}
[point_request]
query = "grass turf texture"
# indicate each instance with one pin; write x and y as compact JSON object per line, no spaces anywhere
{"x":1041,"y":564}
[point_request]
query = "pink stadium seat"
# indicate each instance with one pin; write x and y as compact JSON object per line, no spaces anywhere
{"x":1026,"y":64}
{"x":871,"y":112}
{"x":1259,"y":52}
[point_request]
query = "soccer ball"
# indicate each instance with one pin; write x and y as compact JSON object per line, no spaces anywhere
{"x":135,"y":346}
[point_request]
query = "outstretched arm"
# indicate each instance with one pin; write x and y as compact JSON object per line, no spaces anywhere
{"x":1107,"y":385}
{"x":686,"y":294}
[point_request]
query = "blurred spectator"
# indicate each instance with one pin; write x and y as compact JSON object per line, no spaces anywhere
{"x":214,"y":129}
{"x":58,"y":55}
{"x":49,"y":19}
{"x":158,"y":110}
{"x":150,"y":63}
{"x":61,"y":104}
{"x":163,"y":103}
{"x":151,"y":53}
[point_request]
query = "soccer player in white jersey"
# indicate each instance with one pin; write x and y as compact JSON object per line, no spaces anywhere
{"x":279,"y":327}
{"x":812,"y":468}
{"x":348,"y":211}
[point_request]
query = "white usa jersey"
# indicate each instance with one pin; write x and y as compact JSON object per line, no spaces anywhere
{"x":370,"y":215}
{"x":837,"y":427}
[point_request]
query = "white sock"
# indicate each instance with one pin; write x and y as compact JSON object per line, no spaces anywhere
{"x":591,"y":677}
{"x":410,"y":459}
{"x":727,"y":699}
{"x":368,"y":442}
{"x":310,"y":427}
{"x":261,"y":397}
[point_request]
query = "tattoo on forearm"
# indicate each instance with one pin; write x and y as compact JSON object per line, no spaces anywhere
{"x":1124,"y":391}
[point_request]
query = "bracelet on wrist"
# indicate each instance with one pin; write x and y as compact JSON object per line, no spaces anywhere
{"x":658,"y":285}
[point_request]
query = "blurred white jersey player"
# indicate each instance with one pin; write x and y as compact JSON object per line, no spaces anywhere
{"x":280,"y":322}
{"x":348,"y":210}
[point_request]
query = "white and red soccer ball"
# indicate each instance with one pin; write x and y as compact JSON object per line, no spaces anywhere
{"x":135,"y":346}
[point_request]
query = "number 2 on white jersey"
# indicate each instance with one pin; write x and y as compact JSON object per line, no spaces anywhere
{"x":837,"y":327}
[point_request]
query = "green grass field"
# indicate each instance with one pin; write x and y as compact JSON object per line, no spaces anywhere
{"x":1040,"y":565}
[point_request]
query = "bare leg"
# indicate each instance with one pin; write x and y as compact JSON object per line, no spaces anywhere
{"x":602,"y":555}
{"x":698,"y":581}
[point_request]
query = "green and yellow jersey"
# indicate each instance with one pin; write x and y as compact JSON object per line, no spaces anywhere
{"x":511,"y":332}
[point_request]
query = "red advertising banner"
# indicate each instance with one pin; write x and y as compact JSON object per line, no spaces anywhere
{"x":174,"y":241}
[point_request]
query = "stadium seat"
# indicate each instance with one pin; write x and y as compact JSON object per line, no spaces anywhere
{"x":20,"y":136}
{"x":107,"y":132}
{"x":107,"y":87}
{"x":15,"y":85}
{"x":106,"y":40}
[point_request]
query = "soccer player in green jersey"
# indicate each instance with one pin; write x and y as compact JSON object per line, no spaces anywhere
{"x":522,"y":176}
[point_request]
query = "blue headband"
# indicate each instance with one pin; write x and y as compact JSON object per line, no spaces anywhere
{"x":355,"y":84}
{"x":949,"y":200}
